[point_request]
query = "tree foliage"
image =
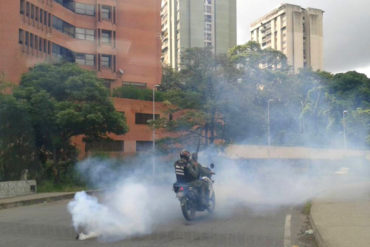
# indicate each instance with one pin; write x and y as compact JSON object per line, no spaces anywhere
{"x":58,"y":102}
{"x":226,"y":96}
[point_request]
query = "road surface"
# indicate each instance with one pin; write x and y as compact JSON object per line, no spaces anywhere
{"x":50,"y":225}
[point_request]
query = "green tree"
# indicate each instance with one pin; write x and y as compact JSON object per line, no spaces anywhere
{"x":62,"y":101}
{"x":17,"y":146}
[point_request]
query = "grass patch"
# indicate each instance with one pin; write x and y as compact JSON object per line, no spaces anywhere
{"x":306,"y":210}
{"x":49,"y":186}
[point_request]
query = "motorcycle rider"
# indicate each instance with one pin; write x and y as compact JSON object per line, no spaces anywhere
{"x":187,"y":171}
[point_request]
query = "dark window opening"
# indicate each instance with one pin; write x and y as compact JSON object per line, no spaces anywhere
{"x":26,"y":39}
{"x":106,"y":36}
{"x":144,"y":146}
{"x":85,"y":59}
{"x":104,"y":146}
{"x":106,"y":12}
{"x":45,"y":18}
{"x":21,"y":10}
{"x":36,"y":42}
{"x":69,"y":4}
{"x":85,"y":9}
{"x":62,"y":53}
{"x":86,"y":34}
{"x":32,"y":11}
{"x":134,"y":84}
{"x":27,"y":9}
{"x":143,"y":118}
{"x":63,"y":26}
{"x":40,"y":44}
{"x":37,"y":14}
{"x":45,"y":46}
{"x":106,"y":61}
{"x":49,"y":20}
{"x":31,"y":40}
{"x":21,"y":36}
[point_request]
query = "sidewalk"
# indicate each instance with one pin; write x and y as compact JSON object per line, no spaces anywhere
{"x":34,"y":199}
{"x":342,"y":218}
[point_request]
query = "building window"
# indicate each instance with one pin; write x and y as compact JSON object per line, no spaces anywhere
{"x":28,"y":9}
{"x":104,"y":146}
{"x":45,"y":18}
{"x":40,"y":44}
{"x":41,"y":16}
{"x":21,"y":36}
{"x":106,"y":61}
{"x":63,"y":26}
{"x":85,"y":59}
{"x":143,"y":118}
{"x":209,"y":27}
{"x":21,"y":10}
{"x":69,"y":4}
{"x":62,"y":53}
{"x":31,"y":40}
{"x":37,"y":13}
{"x":106,"y":36}
{"x":106,"y":12}
{"x":36,"y":42}
{"x":85,"y":9}
{"x":208,"y":9}
{"x":45,"y":46}
{"x":143,"y":146}
{"x":26,"y":39}
{"x":134,"y":84}
{"x":208,"y":18}
{"x":86,"y":34}
{"x":208,"y":36}
{"x":32,"y":11}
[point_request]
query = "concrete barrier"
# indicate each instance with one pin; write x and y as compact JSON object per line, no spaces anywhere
{"x":293,"y":153}
{"x":17,"y":188}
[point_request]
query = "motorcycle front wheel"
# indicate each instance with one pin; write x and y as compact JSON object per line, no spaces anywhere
{"x":187,"y":210}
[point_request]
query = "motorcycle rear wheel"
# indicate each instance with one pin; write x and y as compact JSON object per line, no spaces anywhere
{"x":187,"y":210}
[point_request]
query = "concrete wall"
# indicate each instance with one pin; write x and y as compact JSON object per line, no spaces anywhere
{"x":292,"y":153}
{"x":17,"y":188}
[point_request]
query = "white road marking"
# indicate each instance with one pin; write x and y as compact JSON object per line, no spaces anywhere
{"x":287,"y":232}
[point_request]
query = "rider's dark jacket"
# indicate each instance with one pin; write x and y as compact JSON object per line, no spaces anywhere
{"x":186,"y":171}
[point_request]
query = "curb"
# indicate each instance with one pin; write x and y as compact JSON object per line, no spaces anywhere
{"x":319,"y":239}
{"x":46,"y":199}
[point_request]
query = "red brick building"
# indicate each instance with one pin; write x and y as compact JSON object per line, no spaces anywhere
{"x":138,"y":139}
{"x":120,"y":39}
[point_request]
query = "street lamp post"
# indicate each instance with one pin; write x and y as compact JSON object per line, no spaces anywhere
{"x":153,"y":133}
{"x":268,"y":122}
{"x":344,"y":129}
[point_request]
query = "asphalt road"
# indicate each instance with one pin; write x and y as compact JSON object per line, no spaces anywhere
{"x":50,"y":225}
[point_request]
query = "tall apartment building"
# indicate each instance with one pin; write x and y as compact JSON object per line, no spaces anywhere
{"x":196,"y":23}
{"x":118,"y":39}
{"x":295,"y":31}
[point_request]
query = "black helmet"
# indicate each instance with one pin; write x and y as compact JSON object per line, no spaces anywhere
{"x":185,"y":154}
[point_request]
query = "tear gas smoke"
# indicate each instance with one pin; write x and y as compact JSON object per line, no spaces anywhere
{"x":133,"y":203}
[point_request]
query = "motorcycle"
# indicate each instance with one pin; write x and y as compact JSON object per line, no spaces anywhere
{"x":190,"y":200}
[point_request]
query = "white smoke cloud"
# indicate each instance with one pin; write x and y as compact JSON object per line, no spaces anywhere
{"x":134,"y":204}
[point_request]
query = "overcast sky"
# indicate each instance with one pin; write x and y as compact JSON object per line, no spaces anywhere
{"x":346,"y":29}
